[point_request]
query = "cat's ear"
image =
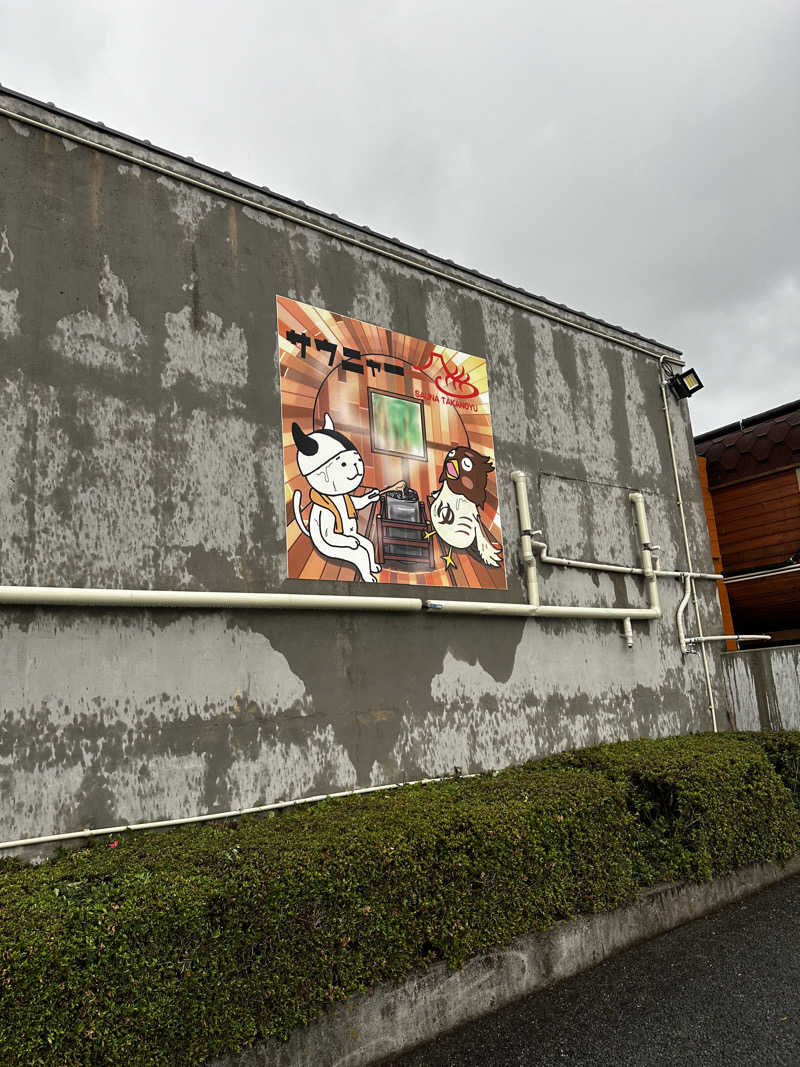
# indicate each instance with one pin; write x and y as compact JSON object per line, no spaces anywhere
{"x":327,"y":423}
{"x":305,"y":444}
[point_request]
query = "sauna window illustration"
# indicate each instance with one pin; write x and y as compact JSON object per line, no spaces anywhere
{"x":388,"y":456}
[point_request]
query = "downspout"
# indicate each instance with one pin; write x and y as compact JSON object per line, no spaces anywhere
{"x":665,"y":403}
{"x":525,"y":536}
{"x":687,"y":592}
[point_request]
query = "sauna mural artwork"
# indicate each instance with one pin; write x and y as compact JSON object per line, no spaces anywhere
{"x":388,"y":456}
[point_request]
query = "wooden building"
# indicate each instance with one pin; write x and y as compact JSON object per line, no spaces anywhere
{"x":752,"y":472}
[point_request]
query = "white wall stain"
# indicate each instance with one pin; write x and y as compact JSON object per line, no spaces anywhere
{"x":265,"y":219}
{"x":9,"y":313}
{"x":594,"y":424}
{"x":133,"y":169}
{"x":313,"y":245}
{"x":20,"y":127}
{"x":373,"y":301}
{"x":510,"y":421}
{"x":553,"y":423}
{"x":40,"y":801}
{"x":479,"y":722}
{"x":14,"y":406}
{"x":111,"y":339}
{"x":95,"y":503}
{"x":285,"y":770}
{"x":785,"y":664}
{"x":213,"y":485}
{"x":745,"y":675}
{"x":647,"y":458}
{"x":213,"y":355}
{"x":129,"y":679}
{"x":69,"y":145}
{"x":189,"y":205}
{"x":443,"y":328}
{"x":593,"y":521}
{"x":154,"y":787}
{"x":6,"y":250}
{"x":741,"y":690}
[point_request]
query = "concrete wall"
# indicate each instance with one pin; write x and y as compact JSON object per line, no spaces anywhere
{"x":763,"y":687}
{"x":141,"y":448}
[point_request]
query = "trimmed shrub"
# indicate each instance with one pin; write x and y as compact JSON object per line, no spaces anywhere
{"x":174,"y":947}
{"x":782,"y":749}
{"x":704,"y":803}
{"x":170,"y":948}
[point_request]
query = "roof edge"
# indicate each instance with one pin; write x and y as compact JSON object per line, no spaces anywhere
{"x":751,"y":420}
{"x":671,"y":353}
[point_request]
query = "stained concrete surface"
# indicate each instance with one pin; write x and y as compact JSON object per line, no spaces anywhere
{"x":763,"y":687}
{"x":140,"y":447}
{"x":721,"y":990}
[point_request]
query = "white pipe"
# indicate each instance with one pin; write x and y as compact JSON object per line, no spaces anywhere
{"x":637,"y":499}
{"x":73,"y":835}
{"x":647,"y":559}
{"x":665,"y":403}
{"x":728,"y":637}
{"x":679,"y":615}
{"x":687,"y":643}
{"x":185,"y":598}
{"x":341,"y":235}
{"x":614,"y":568}
{"x":526,"y":533}
{"x":543,"y":611}
{"x":627,"y":631}
{"x":561,"y":611}
{"x":774,"y":573}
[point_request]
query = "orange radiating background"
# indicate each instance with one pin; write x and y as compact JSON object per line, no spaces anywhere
{"x":310,"y":389}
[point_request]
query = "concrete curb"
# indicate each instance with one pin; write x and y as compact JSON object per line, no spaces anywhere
{"x":393,"y":1018}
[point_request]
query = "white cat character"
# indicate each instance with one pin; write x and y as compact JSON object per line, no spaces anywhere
{"x":333,"y":468}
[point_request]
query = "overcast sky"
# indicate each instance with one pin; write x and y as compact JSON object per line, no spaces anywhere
{"x":636,"y":160}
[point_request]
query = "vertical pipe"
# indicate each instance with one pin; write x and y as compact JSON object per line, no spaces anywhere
{"x":526,"y":533}
{"x":687,"y":592}
{"x":646,"y":552}
{"x":687,"y":547}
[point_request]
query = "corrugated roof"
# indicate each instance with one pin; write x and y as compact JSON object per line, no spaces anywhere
{"x":756,"y":445}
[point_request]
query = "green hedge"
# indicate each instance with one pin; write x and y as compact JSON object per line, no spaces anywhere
{"x":703,"y":804}
{"x":170,"y":948}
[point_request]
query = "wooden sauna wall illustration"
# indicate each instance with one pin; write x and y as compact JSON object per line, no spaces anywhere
{"x":388,"y":455}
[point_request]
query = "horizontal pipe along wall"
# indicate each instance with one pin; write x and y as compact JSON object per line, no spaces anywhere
{"x":142,"y":450}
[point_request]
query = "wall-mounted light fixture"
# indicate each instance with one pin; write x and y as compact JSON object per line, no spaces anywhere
{"x":683,"y":385}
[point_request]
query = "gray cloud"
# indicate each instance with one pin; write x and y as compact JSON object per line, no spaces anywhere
{"x":637,"y":161}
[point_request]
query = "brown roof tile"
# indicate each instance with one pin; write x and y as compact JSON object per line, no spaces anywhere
{"x":757,"y":445}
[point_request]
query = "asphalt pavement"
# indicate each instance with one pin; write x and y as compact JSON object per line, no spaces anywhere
{"x":723,"y":991}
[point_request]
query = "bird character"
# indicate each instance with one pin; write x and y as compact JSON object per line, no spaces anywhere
{"x":456,"y":505}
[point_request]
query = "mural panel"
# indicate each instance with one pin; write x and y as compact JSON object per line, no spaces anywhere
{"x":388,"y":456}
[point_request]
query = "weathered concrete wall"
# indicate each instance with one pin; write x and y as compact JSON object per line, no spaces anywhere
{"x":141,"y":448}
{"x":763,"y":687}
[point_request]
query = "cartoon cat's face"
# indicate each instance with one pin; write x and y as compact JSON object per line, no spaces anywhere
{"x":330,"y":462}
{"x":342,"y":474}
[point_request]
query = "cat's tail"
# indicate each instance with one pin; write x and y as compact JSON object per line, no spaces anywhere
{"x":297,"y":503}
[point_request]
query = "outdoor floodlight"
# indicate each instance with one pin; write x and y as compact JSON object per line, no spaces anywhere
{"x":683,"y":385}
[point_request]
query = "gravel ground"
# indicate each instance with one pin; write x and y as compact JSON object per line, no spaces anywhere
{"x":723,"y":991}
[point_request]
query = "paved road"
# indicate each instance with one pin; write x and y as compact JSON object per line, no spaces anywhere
{"x":723,"y":991}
